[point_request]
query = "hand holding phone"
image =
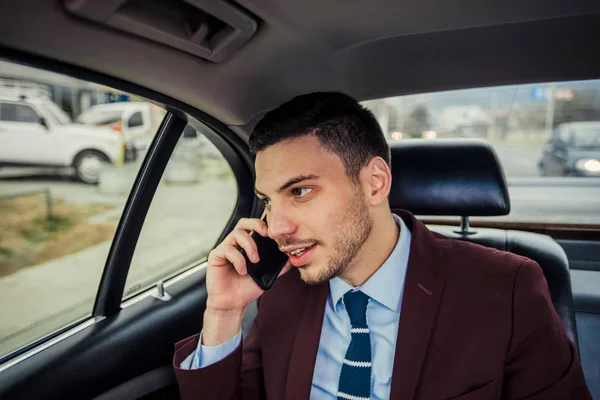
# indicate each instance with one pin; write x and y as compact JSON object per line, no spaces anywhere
{"x":233,"y":281}
{"x":234,"y":277}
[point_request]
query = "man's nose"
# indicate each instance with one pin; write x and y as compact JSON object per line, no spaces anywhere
{"x":280,"y":225}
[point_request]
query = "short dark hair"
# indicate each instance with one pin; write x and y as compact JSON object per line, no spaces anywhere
{"x":340,"y":123}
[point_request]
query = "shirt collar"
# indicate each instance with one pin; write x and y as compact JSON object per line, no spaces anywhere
{"x":378,"y":285}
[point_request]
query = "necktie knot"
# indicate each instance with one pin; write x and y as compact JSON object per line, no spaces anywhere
{"x":356,"y":305}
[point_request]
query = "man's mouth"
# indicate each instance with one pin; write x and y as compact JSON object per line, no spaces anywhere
{"x":300,"y":255}
{"x":298,"y":251}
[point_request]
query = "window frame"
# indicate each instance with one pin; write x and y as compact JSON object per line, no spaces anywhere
{"x":109,"y":296}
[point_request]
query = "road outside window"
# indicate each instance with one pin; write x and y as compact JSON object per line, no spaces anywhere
{"x":547,"y":137}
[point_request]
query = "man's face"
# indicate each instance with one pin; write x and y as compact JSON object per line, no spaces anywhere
{"x":317,"y":215}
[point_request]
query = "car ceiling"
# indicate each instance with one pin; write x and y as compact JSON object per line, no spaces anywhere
{"x":368,"y":49}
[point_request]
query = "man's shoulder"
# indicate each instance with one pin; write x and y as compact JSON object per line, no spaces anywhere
{"x":479,"y":285}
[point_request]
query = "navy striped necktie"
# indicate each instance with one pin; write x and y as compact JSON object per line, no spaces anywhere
{"x":355,"y":378}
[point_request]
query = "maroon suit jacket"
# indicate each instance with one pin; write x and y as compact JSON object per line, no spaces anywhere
{"x":476,"y":323}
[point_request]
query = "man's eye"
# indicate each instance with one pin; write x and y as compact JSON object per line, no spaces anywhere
{"x":301,"y":192}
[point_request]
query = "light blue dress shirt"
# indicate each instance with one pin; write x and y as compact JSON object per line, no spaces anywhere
{"x":385,"y":288}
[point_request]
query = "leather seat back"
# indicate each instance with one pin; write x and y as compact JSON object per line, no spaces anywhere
{"x":463,"y":177}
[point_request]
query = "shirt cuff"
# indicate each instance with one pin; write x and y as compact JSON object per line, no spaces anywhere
{"x":204,"y":356}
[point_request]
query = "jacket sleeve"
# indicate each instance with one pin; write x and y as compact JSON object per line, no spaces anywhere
{"x":237,"y":376}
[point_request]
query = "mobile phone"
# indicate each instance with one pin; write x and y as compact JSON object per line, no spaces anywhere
{"x":271,"y":262}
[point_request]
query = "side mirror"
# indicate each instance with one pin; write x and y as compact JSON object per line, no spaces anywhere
{"x":43,"y":122}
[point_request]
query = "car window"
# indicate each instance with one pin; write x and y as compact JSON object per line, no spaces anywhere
{"x":555,"y":181}
{"x":192,"y":205}
{"x":135,"y":120}
{"x":8,"y":112}
{"x":586,"y":137}
{"x":13,"y":112}
{"x":57,"y":224}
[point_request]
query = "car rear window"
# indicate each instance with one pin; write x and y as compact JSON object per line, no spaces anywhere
{"x":135,"y":120}
{"x":546,"y":135}
{"x":586,"y":137}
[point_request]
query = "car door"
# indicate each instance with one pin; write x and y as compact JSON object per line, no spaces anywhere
{"x":25,"y":138}
{"x":97,"y":285}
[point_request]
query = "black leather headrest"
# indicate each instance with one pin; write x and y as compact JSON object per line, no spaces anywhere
{"x":461,"y":177}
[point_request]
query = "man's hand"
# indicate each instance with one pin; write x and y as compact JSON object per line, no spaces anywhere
{"x":230,"y":289}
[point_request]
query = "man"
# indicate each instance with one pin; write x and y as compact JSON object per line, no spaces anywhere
{"x":370,"y":304}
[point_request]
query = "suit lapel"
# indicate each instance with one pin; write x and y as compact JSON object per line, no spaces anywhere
{"x":423,"y":290}
{"x":306,"y":344}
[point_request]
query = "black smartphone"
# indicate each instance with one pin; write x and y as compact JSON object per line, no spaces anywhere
{"x":271,"y":262}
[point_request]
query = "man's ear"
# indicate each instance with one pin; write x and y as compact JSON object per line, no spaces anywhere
{"x":377,"y":181}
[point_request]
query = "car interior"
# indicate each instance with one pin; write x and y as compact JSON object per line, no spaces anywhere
{"x":224,"y":64}
{"x":475,"y":186}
